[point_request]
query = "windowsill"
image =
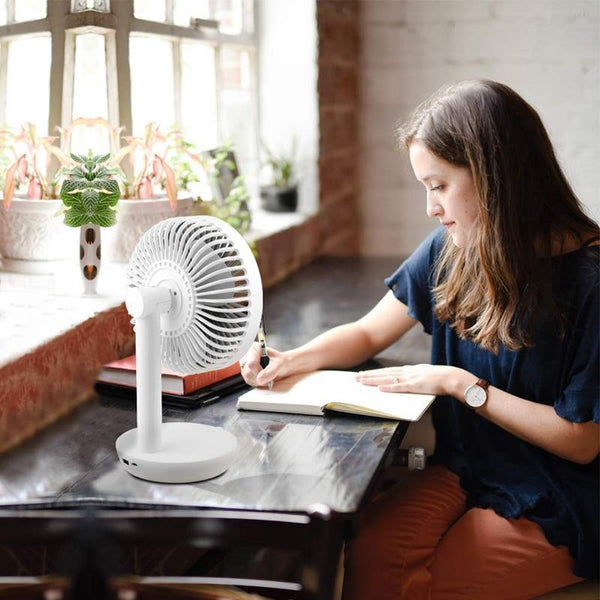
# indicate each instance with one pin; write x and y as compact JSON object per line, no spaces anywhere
{"x":265,"y":224}
{"x":54,"y":340}
{"x":37,"y":308}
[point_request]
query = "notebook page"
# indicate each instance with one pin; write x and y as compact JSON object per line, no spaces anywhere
{"x":311,"y":392}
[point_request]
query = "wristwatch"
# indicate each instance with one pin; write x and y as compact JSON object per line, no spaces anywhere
{"x":476,"y":395}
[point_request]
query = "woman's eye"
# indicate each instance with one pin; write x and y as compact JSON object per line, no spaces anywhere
{"x":436,"y":188}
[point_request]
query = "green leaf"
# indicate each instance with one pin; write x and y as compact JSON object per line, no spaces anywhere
{"x":78,"y":158}
{"x":105,"y":218}
{"x":109,"y":186}
{"x":89,"y":198}
{"x":72,"y":199}
{"x":75,"y":218}
{"x":107,"y":200}
{"x":70,"y":185}
{"x":76,"y":172}
{"x":103,"y":172}
{"x":101,"y":158}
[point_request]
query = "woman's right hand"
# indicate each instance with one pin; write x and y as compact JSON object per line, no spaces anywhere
{"x":255,"y":375}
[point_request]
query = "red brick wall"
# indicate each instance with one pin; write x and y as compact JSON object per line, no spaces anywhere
{"x":338,"y":85}
{"x":40,"y":387}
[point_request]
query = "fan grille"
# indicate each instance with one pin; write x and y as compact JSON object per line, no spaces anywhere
{"x":215,"y":288}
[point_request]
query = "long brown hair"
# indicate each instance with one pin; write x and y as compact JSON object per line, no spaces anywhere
{"x":493,"y":290}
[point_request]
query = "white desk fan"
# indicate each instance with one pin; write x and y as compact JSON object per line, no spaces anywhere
{"x":196,"y":297}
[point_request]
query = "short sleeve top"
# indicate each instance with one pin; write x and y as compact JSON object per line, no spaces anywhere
{"x":498,"y":470}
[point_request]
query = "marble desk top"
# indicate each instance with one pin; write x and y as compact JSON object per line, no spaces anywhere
{"x":284,"y":463}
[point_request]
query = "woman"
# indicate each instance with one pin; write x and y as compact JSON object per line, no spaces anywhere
{"x":508,"y":289}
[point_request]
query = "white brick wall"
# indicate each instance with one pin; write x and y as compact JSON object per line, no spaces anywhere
{"x":547,"y":50}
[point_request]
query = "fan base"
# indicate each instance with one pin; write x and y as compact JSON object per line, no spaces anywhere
{"x":189,"y":452}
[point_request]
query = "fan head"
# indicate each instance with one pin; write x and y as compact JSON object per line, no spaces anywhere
{"x":216,"y":290}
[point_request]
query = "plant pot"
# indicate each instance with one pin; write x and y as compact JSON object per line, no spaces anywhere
{"x":134,"y":218}
{"x":33,"y":236}
{"x":278,"y":199}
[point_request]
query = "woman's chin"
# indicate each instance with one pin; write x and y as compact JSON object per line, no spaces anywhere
{"x":460,"y":239}
{"x":457,"y":239}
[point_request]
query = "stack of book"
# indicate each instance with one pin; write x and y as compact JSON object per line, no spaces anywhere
{"x":117,"y":379}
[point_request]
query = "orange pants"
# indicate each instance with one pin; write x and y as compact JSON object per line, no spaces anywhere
{"x":418,"y":541}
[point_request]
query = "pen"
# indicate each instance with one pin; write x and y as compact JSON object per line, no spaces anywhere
{"x":264,"y":357}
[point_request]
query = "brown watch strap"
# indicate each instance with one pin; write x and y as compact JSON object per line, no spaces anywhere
{"x":483,"y":384}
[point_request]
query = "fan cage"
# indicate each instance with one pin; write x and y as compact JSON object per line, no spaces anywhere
{"x":215,"y":285}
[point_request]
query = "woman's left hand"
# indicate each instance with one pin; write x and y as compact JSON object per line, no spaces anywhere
{"x":419,"y":379}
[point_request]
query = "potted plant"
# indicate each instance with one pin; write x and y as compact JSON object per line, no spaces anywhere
{"x":281,"y":194}
{"x":149,"y":190}
{"x":230,"y":197}
{"x":90,"y":192}
{"x":32,"y":235}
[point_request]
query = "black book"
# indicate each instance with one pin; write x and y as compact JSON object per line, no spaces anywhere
{"x":197,"y":399}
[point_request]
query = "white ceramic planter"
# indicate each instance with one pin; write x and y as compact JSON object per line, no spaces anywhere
{"x":134,"y":218}
{"x":33,"y":236}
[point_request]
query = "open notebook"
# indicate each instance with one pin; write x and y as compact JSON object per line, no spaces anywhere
{"x":313,"y":393}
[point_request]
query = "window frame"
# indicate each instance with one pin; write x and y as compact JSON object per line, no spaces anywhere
{"x":117,"y":26}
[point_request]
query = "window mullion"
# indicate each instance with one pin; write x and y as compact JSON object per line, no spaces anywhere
{"x":112,"y":83}
{"x":255,"y":99}
{"x":3,"y":75}
{"x":218,"y":91}
{"x":10,"y":11}
{"x":177,"y":77}
{"x":68,"y":83}
{"x":123,"y":11}
{"x":60,"y":68}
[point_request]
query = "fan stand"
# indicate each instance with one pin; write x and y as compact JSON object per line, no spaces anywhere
{"x":157,"y":451}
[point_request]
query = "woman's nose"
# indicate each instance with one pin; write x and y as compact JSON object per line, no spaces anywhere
{"x":434,"y":209}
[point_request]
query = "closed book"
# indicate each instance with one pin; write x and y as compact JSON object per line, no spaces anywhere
{"x":199,"y":398}
{"x":315,"y":393}
{"x":122,"y":372}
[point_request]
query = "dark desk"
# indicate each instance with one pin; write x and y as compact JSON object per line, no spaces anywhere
{"x":285,"y":463}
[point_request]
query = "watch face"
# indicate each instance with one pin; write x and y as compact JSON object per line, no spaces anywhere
{"x":475,"y":396}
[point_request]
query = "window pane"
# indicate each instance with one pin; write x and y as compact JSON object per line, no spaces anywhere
{"x":3,"y":14}
{"x":28,"y":82}
{"x":152,"y":97}
{"x":235,"y":68}
{"x":229,"y":13}
{"x":30,"y":10}
{"x":185,"y":9}
{"x":99,"y":5}
{"x":198,"y":95}
{"x":90,"y":98}
{"x":150,"y":10}
{"x":238,"y":116}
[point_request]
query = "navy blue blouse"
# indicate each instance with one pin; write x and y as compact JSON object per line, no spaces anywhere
{"x":498,"y":470}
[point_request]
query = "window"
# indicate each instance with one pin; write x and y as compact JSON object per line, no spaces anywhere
{"x":151,"y":65}
{"x":90,"y":95}
{"x":28,"y":76}
{"x":187,"y":63}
